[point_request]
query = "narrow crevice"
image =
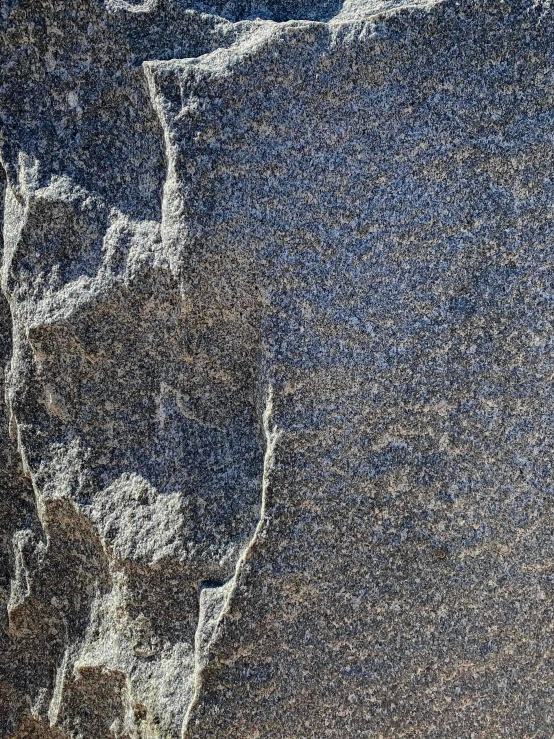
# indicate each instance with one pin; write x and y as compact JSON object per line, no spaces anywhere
{"x":279,"y":11}
{"x":216,"y":600}
{"x":25,"y":664}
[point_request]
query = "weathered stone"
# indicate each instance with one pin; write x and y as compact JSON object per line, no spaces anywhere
{"x":276,"y":447}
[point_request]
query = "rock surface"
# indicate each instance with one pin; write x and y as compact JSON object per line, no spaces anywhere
{"x":276,"y":452}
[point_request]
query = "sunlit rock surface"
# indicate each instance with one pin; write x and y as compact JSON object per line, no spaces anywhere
{"x":276,"y":451}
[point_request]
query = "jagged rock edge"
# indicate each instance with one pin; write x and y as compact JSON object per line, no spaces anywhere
{"x":271,"y":435}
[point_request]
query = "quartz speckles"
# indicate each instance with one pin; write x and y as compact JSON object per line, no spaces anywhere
{"x":354,"y":211}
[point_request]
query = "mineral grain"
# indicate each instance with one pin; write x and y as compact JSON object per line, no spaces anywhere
{"x":277,"y":323}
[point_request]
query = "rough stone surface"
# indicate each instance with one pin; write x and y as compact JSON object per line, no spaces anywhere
{"x":276,"y":452}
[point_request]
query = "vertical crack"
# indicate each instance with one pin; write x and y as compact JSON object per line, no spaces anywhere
{"x":215,"y":601}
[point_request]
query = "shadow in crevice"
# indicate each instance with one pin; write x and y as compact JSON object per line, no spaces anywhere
{"x":19,"y":675}
{"x":238,"y":10}
{"x":279,"y":10}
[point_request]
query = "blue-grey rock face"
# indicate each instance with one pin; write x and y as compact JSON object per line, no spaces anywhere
{"x":276,"y":448}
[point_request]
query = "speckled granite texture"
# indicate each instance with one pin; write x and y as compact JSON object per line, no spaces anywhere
{"x":277,"y":446}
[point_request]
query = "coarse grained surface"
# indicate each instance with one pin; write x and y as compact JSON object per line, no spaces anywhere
{"x":278,"y":421}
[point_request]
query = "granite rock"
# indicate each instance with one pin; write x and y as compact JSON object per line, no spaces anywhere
{"x":277,"y":317}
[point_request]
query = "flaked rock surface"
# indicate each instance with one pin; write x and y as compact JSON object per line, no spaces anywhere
{"x":277,"y":430}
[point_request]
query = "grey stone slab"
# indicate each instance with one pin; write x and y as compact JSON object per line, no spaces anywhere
{"x":280,"y":291}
